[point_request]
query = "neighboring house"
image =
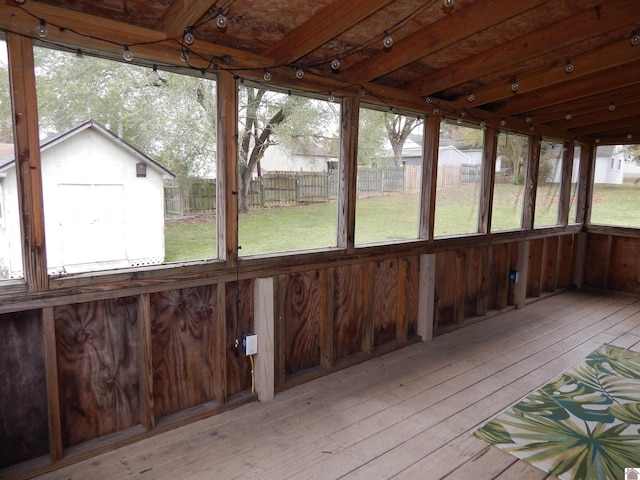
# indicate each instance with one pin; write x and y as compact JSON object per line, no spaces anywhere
{"x":310,"y":155}
{"x":103,"y":204}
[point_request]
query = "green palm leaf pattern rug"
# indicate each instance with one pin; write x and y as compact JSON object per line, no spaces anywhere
{"x":583,"y":425}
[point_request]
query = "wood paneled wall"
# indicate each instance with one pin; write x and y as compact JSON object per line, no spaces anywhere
{"x":123,"y":368}
{"x":613,"y":262}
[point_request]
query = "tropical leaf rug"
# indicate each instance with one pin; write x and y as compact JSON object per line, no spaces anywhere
{"x":583,"y":425}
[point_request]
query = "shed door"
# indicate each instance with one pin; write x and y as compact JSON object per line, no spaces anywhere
{"x":92,"y":223}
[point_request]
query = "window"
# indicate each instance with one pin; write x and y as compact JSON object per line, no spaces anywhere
{"x":388,"y":177}
{"x":459,"y":179}
{"x":100,"y":121}
{"x":10,"y":238}
{"x":288,"y":155}
{"x":549,"y":184}
{"x":511,"y":170}
{"x":616,"y":193}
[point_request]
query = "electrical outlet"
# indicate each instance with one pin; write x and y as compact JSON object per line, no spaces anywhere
{"x":250,"y":344}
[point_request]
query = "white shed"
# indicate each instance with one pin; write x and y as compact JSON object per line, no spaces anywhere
{"x":103,"y":204}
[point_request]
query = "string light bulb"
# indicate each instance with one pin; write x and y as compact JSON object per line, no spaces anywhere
{"x":299,"y":73}
{"x":188,"y":37}
{"x":568,"y":117}
{"x":471,"y":97}
{"x":635,"y":38}
{"x":387,"y":41}
{"x":629,"y":136}
{"x":612,"y":106}
{"x":41,"y":29}
{"x":448,"y":3}
{"x":267,"y":76}
{"x":221,"y":20}
{"x":363,"y":92}
{"x":126,"y":54}
{"x":568,"y":67}
{"x":184,"y":56}
{"x":331,"y":98}
{"x":514,"y":86}
{"x":335,"y":64}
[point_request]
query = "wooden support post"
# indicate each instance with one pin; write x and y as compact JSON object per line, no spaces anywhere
{"x":326,"y":318}
{"x":28,"y":166}
{"x":263,"y":318}
{"x":489,"y":154}
{"x":426,"y":296}
{"x":227,"y":168}
{"x":522,"y":267}
{"x":51,"y":375}
{"x":348,"y":188}
{"x":580,"y":258}
{"x":531,"y":184}
{"x":565,"y":184}
{"x":219,"y":345}
{"x":585,"y":187}
{"x":429,"y":176}
{"x":145,"y":362}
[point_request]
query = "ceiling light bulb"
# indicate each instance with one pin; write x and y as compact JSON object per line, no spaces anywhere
{"x":41,"y":30}
{"x":428,"y":99}
{"x":154,"y":76}
{"x":335,"y":64}
{"x":612,"y":106}
{"x":387,"y":41}
{"x":363,"y":92}
{"x":127,"y":55}
{"x":597,"y":140}
{"x":568,"y":117}
{"x":184,"y":56}
{"x":447,"y":3}
{"x":331,"y":98}
{"x":635,"y":38}
{"x":483,"y":125}
{"x":503,"y":122}
{"x":267,"y":76}
{"x":471,"y":97}
{"x":529,"y":119}
{"x":514,"y":87}
{"x":221,"y":20}
{"x":459,"y":120}
{"x":568,"y":68}
{"x":299,"y":73}
{"x":629,"y":136}
{"x":188,"y":36}
{"x":436,"y":111}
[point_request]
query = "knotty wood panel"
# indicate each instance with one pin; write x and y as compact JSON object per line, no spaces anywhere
{"x":565,"y":260}
{"x":348,"y":310}
{"x":238,"y":322}
{"x":498,"y":291}
{"x":299,"y":306}
{"x":384,"y":300}
{"x":597,"y":260}
{"x":23,"y":393}
{"x":96,"y":346}
{"x":474,"y":278}
{"x":182,"y":329}
{"x":550,"y":264}
{"x":624,"y":273}
{"x":412,"y":275}
{"x":449,"y":288}
{"x":534,"y":284}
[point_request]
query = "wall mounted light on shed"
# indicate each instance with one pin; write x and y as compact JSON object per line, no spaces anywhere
{"x":141,"y":169}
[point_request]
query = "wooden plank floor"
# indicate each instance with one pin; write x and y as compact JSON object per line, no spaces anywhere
{"x":406,"y":415}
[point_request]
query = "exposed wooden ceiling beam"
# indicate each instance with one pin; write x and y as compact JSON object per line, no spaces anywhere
{"x":182,"y":14}
{"x":328,"y":23}
{"x":614,"y":126}
{"x":582,"y":87}
{"x":600,"y":116}
{"x":586,"y":105}
{"x":590,"y":23}
{"x":599,"y":60}
{"x":450,"y":29}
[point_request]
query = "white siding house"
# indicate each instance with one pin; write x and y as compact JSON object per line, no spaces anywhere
{"x":103,"y":204}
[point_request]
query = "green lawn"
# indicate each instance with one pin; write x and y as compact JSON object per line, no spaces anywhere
{"x":388,"y":218}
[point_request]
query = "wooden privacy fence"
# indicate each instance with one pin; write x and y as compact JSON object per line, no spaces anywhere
{"x":198,"y":196}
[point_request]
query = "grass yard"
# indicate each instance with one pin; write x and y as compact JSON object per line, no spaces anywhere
{"x":387,"y":219}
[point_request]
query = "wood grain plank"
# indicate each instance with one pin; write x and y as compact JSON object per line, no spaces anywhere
{"x":53,"y":394}
{"x":535,"y":270}
{"x":550,"y":264}
{"x":384,"y":301}
{"x":181,"y":327}
{"x":348,"y":310}
{"x":145,"y":362}
{"x":236,"y":314}
{"x":23,"y":424}
{"x":565,"y":260}
{"x":598,"y":253}
{"x":624,"y":272}
{"x":97,"y":345}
